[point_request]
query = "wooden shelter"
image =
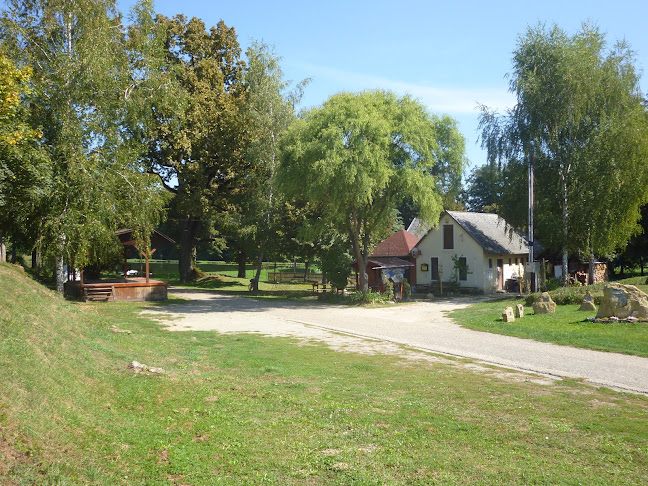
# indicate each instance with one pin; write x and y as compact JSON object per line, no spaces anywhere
{"x":130,"y":247}
{"x":130,"y":289}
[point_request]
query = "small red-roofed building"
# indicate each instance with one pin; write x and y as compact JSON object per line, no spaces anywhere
{"x":392,"y":259}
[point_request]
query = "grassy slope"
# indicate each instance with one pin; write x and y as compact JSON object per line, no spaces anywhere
{"x":252,"y":410}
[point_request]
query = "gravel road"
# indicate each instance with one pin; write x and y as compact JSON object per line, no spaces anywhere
{"x":420,"y":326}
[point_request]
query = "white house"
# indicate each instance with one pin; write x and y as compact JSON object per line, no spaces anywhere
{"x":479,"y":250}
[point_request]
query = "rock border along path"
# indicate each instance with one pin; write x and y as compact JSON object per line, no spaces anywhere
{"x":422,"y":326}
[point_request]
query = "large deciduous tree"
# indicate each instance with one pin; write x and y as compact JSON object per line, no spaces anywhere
{"x":270,"y":110}
{"x":80,"y":74}
{"x":196,"y":146}
{"x":24,"y":174}
{"x":359,"y":155}
{"x":579,"y":120}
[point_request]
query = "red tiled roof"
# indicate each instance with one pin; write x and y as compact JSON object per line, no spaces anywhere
{"x":398,"y":244}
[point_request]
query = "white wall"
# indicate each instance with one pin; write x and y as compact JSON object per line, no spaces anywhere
{"x":464,"y":246}
{"x":479,"y":273}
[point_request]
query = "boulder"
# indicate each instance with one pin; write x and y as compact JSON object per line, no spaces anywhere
{"x":588,"y":303}
{"x":519,"y":311}
{"x":137,"y":367}
{"x":544,"y":304}
{"x":507,"y":315}
{"x":623,"y":301}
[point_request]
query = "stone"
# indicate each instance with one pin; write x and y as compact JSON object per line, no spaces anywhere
{"x":544,"y":304}
{"x":588,"y":304}
{"x":623,"y":301}
{"x":137,"y":367}
{"x":507,"y":315}
{"x":519,"y":311}
{"x":119,"y":331}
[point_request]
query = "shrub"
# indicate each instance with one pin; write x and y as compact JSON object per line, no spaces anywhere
{"x":407,"y":289}
{"x":531,"y":298}
{"x":552,"y":283}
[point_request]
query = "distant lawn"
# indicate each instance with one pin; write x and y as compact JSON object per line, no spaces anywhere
{"x":231,"y":285}
{"x":251,"y":410}
{"x":168,"y":269}
{"x":222,"y":277}
{"x":566,"y":326}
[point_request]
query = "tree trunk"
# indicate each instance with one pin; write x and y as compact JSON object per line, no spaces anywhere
{"x":60,"y":274}
{"x":240,"y":260}
{"x":362,"y":271}
{"x":259,"y":266}
{"x":60,"y":267}
{"x":590,"y":277}
{"x":35,"y":258}
{"x":14,"y":255}
{"x":3,"y":249}
{"x":306,"y":269}
{"x":565,"y":213}
{"x":361,"y":259}
{"x":187,"y":261}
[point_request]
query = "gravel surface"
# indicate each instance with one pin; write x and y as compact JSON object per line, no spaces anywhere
{"x":420,"y":326}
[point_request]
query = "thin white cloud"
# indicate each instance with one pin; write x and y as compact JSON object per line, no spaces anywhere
{"x":439,"y":100}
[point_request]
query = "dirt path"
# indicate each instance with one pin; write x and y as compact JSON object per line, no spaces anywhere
{"x":420,"y":327}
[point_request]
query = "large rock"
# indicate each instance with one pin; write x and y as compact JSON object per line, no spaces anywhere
{"x":588,"y":303}
{"x":623,"y":301}
{"x":507,"y":315}
{"x":544,"y":304}
{"x":519,"y":311}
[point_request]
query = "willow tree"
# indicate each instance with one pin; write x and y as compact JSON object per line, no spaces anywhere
{"x":358,"y":156}
{"x":579,"y":120}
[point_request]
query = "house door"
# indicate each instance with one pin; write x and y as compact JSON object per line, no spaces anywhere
{"x":500,"y":274}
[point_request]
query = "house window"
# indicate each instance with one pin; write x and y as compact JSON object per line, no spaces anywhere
{"x":516,"y":261}
{"x":509,"y":261}
{"x":522,"y":260}
{"x":490,"y":263}
{"x":434,"y":267}
{"x":463,"y":268}
{"x":448,"y":237}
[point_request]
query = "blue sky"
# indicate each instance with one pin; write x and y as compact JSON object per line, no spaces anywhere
{"x":450,"y":56}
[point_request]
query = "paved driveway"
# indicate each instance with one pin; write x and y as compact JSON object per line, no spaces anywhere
{"x":420,"y":326}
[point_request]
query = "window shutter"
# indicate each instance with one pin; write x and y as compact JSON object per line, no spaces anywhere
{"x":448,"y":237}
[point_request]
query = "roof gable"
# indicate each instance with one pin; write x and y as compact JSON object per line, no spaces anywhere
{"x":491,"y":232}
{"x":398,"y":244}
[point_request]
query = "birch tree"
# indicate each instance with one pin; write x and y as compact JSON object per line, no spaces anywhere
{"x":580,"y":121}
{"x":80,"y":69}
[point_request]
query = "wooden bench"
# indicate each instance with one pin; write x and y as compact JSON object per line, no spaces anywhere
{"x":316,"y":287}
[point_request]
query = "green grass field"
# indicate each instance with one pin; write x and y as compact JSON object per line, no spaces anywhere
{"x":168,"y":269}
{"x":245,"y":409}
{"x":567,"y":326}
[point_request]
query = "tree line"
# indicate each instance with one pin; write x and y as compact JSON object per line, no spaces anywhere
{"x":109,"y":123}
